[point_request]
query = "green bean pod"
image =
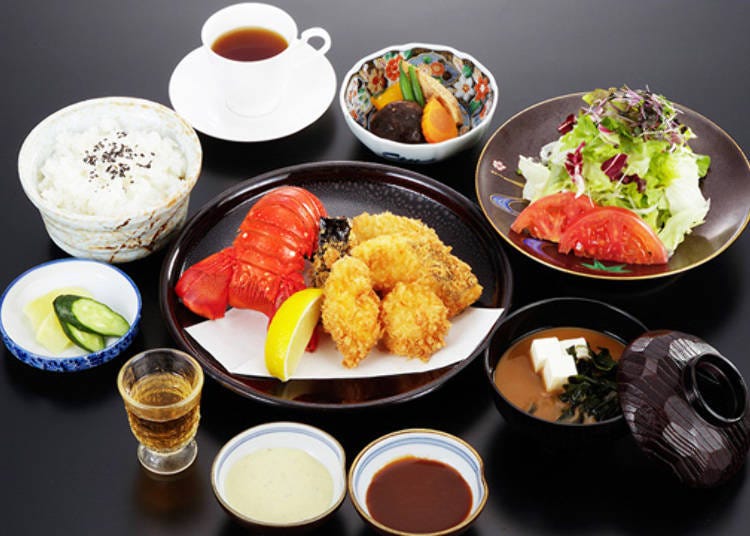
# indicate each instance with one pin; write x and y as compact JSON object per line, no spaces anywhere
{"x":405,"y":83}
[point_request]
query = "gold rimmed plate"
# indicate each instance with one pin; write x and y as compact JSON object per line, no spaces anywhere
{"x":727,"y":185}
{"x":346,"y":189}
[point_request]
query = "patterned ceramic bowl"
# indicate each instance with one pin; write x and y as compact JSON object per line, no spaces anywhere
{"x":430,"y":446}
{"x":470,"y":82}
{"x":321,"y":446}
{"x":134,"y":233}
{"x":106,"y":283}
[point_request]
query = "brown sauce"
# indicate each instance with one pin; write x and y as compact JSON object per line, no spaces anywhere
{"x":418,"y":495}
{"x":515,"y":377}
{"x":249,"y":44}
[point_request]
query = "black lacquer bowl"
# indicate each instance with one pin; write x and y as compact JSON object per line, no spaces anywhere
{"x":551,"y":313}
{"x":686,"y":405}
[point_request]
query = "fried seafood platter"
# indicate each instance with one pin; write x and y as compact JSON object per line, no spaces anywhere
{"x":390,"y":279}
{"x":398,"y":293}
{"x":384,"y":277}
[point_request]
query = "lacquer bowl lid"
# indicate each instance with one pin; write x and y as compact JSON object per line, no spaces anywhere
{"x":687,"y":406}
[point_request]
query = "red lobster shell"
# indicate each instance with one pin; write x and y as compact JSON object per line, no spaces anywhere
{"x":264,"y":265}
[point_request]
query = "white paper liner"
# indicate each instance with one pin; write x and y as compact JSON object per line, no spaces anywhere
{"x":237,"y":341}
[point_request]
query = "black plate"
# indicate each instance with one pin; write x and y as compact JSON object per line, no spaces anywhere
{"x":346,"y":189}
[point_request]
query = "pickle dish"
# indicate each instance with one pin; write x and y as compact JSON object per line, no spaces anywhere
{"x":280,"y":477}
{"x":377,"y":80}
{"x":111,"y":177}
{"x":433,"y":461}
{"x":105,"y":283}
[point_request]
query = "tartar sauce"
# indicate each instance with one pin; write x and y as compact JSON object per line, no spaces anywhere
{"x":279,"y":485}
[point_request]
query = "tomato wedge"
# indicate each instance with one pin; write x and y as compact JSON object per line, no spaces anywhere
{"x":548,"y":217}
{"x":613,"y":234}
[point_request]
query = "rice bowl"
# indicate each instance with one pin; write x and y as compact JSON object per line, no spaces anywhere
{"x":117,"y":224}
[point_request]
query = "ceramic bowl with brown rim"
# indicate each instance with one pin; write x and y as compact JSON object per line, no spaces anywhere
{"x":111,"y":177}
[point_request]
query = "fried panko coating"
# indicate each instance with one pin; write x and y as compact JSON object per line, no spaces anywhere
{"x":450,"y":277}
{"x":415,"y":321}
{"x":421,"y":282}
{"x":398,"y":258}
{"x":351,"y":310}
{"x":391,"y":258}
{"x":367,"y":226}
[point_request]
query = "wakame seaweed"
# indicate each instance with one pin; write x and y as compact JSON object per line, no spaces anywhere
{"x":593,"y":391}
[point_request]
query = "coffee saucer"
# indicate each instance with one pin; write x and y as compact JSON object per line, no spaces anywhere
{"x":195,"y":97}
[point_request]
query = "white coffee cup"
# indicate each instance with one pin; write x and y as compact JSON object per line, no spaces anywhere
{"x":255,"y":88}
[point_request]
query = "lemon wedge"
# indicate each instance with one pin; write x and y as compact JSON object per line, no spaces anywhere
{"x":290,"y":331}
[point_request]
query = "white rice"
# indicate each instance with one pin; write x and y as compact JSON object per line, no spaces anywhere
{"x":109,"y":170}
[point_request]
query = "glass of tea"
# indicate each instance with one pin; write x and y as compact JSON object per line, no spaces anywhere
{"x":161,"y":389}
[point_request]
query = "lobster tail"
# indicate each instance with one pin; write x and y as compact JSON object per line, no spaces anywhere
{"x":204,"y":287}
{"x":264,"y":265}
{"x":252,"y":288}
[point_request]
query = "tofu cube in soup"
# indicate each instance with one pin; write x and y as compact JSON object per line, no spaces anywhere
{"x":557,"y":369}
{"x":543,"y":349}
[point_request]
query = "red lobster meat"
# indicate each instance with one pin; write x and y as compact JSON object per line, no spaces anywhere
{"x":264,"y":264}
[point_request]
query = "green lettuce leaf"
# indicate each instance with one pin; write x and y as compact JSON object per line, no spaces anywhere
{"x":667,"y":193}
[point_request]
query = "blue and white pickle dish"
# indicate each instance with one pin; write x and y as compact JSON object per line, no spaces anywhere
{"x":468,"y":80}
{"x":111,"y":176}
{"x":433,"y":446}
{"x":104,"y":282}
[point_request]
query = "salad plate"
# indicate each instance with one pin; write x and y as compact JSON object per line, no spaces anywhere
{"x":196,"y":97}
{"x":499,"y":192}
{"x":346,"y":189}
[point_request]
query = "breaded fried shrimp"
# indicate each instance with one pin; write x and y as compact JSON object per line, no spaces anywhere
{"x":394,"y":258}
{"x":351,"y":309}
{"x":390,"y":258}
{"x":367,"y":226}
{"x":415,"y":321}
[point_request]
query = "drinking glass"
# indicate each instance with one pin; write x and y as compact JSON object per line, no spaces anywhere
{"x":161,"y":389}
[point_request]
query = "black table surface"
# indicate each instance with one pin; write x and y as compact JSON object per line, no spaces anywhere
{"x":67,"y":458}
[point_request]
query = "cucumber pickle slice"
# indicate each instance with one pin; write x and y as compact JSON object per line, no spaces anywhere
{"x":93,"y":342}
{"x":89,"y":315}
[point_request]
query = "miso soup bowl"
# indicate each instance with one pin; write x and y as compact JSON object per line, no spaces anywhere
{"x":552,"y":313}
{"x":315,"y":442}
{"x":111,"y":237}
{"x":468,"y":80}
{"x":419,"y":443}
